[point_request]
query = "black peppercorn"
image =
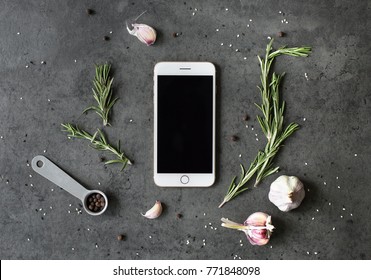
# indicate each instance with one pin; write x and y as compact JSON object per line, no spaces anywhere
{"x":234,"y":138}
{"x":90,"y":12}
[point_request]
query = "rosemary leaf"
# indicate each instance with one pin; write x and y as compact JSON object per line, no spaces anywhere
{"x":99,"y":142}
{"x":271,"y":121}
{"x":102,"y":92}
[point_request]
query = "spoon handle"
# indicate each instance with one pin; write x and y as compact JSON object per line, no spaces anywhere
{"x":53,"y":173}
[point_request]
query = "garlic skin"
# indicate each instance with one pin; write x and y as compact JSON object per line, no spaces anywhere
{"x":258,"y":228}
{"x":286,"y":192}
{"x":145,"y":33}
{"x":154,"y":212}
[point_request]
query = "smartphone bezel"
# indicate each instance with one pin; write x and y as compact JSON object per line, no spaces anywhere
{"x":184,"y":69}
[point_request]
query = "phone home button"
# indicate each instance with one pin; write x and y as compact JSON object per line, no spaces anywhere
{"x":184,"y":179}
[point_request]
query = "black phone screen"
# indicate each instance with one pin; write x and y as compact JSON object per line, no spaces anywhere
{"x":184,"y":124}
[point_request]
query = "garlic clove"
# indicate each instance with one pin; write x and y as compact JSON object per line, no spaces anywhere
{"x":154,"y":212}
{"x":145,"y":33}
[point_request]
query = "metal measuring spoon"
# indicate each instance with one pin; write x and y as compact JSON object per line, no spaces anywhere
{"x":53,"y":173}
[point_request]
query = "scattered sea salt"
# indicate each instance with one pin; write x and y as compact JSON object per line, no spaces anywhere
{"x":238,"y":35}
{"x":96,"y":245}
{"x":306,"y":163}
{"x":341,"y":217}
{"x":329,"y":203}
{"x":27,"y":66}
{"x":44,"y":151}
{"x":31,"y":185}
{"x":193,"y":13}
{"x":226,"y":9}
{"x":250,"y":20}
{"x":130,"y":120}
{"x":355,"y":155}
{"x":73,"y":249}
{"x":351,"y":214}
{"x":30,"y":176}
{"x":269,"y":37}
{"x":312,"y":218}
{"x":343,"y":208}
{"x":248,"y":25}
{"x":333,"y":228}
{"x":204,"y":214}
{"x":230,"y":45}
{"x":28,"y":239}
{"x":239,"y":155}
{"x":237,"y":50}
{"x":150,"y":237}
{"x":222,"y":44}
{"x":324,"y":183}
{"x":245,"y":59}
{"x":187,"y":242}
{"x":304,"y":119}
{"x":18,"y":33}
{"x":315,"y":253}
{"x":308,"y":253}
{"x":338,"y":187}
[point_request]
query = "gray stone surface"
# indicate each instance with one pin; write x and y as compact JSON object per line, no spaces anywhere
{"x":332,"y":107}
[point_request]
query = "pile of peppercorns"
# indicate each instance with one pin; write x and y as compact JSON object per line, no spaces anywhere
{"x":95,"y":202}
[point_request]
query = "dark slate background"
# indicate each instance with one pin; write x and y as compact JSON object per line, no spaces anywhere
{"x":330,"y":153}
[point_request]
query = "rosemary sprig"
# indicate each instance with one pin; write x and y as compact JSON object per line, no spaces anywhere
{"x":271,"y":122}
{"x":102,"y":92}
{"x":99,"y":142}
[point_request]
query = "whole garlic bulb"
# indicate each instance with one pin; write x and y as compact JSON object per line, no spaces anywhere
{"x":286,"y":192}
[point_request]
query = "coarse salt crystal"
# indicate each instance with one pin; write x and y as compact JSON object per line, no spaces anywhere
{"x":324,"y":183}
{"x":245,"y":59}
{"x":230,"y":45}
{"x":217,"y":30}
{"x":238,"y":35}
{"x":28,"y":239}
{"x":250,"y":20}
{"x":31,"y":185}
{"x":226,"y":9}
{"x":237,"y":50}
{"x":304,"y":119}
{"x":315,"y":253}
{"x":30,"y":176}
{"x":329,"y":203}
{"x":343,"y":208}
{"x":355,"y":155}
{"x":18,"y":33}
{"x":193,"y":13}
{"x":204,"y":214}
{"x":239,"y":155}
{"x":248,"y":25}
{"x":306,"y":163}
{"x":312,"y":218}
{"x":222,"y":44}
{"x":341,"y":216}
{"x":308,"y":253}
{"x":333,"y":228}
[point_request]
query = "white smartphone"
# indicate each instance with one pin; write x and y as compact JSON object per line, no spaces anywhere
{"x":184,"y":128}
